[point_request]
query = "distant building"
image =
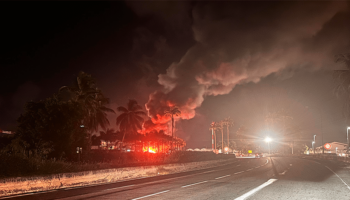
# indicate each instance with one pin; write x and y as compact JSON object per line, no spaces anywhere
{"x":202,"y":150}
{"x":2,"y":132}
{"x":336,"y":147}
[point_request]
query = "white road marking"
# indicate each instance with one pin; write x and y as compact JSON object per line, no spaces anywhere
{"x":257,"y":167}
{"x":193,"y":184}
{"x":98,"y":184}
{"x":119,"y":187}
{"x":251,"y":192}
{"x":222,"y":176}
{"x":339,"y":178}
{"x":248,"y":170}
{"x":239,"y":172}
{"x":151,"y":195}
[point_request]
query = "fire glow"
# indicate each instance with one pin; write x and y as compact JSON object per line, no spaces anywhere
{"x":150,"y":149}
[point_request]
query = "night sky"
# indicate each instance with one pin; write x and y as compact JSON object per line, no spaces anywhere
{"x":211,"y":59}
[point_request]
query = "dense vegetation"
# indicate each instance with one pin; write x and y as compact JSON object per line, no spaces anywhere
{"x":50,"y":130}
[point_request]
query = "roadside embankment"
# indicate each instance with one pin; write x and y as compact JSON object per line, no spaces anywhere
{"x":330,"y":157}
{"x":10,"y":186}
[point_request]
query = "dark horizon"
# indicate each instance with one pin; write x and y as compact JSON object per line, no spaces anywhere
{"x":213,"y":60}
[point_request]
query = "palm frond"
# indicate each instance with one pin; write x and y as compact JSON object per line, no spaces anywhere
{"x":122,"y":109}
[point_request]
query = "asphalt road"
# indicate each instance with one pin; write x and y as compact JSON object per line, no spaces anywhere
{"x":247,"y":178}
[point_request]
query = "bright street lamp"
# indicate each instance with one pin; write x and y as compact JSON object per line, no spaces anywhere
{"x":313,"y":142}
{"x":268,"y":140}
{"x":226,"y":150}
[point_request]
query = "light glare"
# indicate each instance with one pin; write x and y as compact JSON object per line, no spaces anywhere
{"x":267,"y":139}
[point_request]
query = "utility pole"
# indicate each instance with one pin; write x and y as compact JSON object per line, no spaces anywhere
{"x":215,"y":142}
{"x":212,"y":139}
{"x":222,"y":138}
{"x":322,"y":133}
{"x":228,"y":136}
{"x":347,"y":139}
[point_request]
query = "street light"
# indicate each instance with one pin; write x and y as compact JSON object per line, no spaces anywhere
{"x":313,"y":142}
{"x":347,"y":139}
{"x":268,"y":140}
{"x":226,"y":150}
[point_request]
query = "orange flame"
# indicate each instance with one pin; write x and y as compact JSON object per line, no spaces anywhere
{"x":150,"y":149}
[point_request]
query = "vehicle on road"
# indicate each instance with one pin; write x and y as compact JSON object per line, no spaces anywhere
{"x":258,"y":155}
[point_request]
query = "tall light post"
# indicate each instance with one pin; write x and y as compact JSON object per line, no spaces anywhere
{"x":268,"y":140}
{"x":314,"y":143}
{"x":347,"y":139}
{"x":313,"y":148}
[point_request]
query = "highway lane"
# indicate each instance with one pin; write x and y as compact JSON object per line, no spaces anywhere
{"x":141,"y":187}
{"x":308,"y":179}
{"x":264,"y":178}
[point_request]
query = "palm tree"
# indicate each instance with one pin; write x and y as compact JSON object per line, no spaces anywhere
{"x":131,"y":118}
{"x":96,"y":113}
{"x":91,"y":100}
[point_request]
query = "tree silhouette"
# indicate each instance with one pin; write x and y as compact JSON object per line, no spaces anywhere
{"x":92,"y":101}
{"x":131,"y":118}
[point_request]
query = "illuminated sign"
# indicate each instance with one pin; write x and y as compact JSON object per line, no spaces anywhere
{"x":250,"y":151}
{"x":327,"y":146}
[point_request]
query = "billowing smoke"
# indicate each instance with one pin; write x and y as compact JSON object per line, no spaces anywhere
{"x":238,"y":43}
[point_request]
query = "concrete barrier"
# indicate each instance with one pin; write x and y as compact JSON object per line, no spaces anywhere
{"x":11,"y":186}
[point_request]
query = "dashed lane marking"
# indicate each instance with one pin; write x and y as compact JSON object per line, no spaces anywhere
{"x":193,"y":184}
{"x":239,"y":172}
{"x":251,"y":192}
{"x":223,"y":176}
{"x":151,"y":195}
{"x":119,"y":187}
